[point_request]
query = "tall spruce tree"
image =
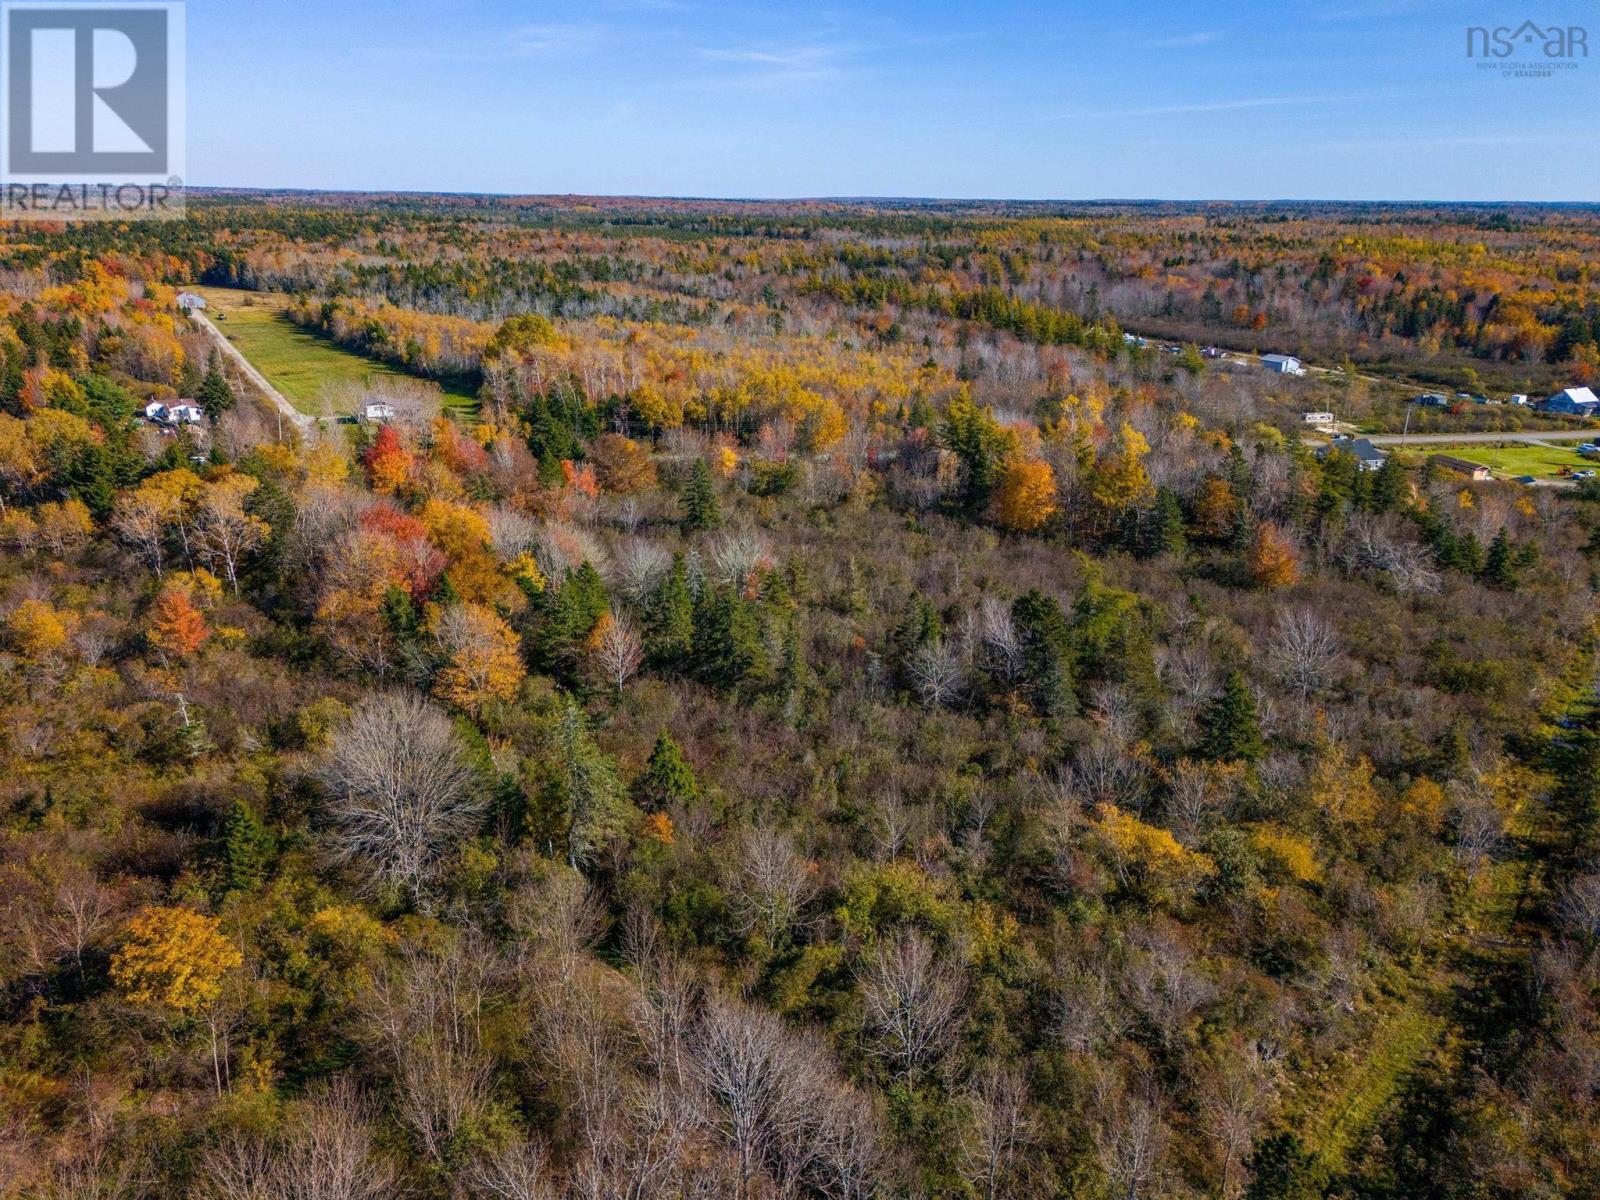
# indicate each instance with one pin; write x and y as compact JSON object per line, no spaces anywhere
{"x":1230,"y":730}
{"x":701,"y":509}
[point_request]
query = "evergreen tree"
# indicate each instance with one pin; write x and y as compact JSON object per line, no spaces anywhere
{"x":247,"y":847}
{"x":669,"y":619}
{"x":1388,"y":486}
{"x":701,"y":509}
{"x":1500,"y":564}
{"x":565,"y":615}
{"x":444,"y":592}
{"x":667,"y":778}
{"x":1230,"y":730}
{"x":792,"y":670}
{"x":727,"y":638}
{"x":1164,"y":532}
{"x":919,"y":624}
{"x":974,"y":436}
{"x":400,"y":613}
{"x":1046,"y":639}
{"x":215,"y":396}
{"x":593,"y":799}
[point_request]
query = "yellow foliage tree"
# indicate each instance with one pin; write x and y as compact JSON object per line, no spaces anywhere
{"x":175,"y":958}
{"x":1119,"y":478}
{"x":38,"y":630}
{"x":1291,"y":852}
{"x":1343,"y":787}
{"x":485,"y":660}
{"x":1026,"y":496}
{"x":1273,"y":561}
{"x":1215,"y":507}
{"x":462,"y":535}
{"x":1147,"y":855}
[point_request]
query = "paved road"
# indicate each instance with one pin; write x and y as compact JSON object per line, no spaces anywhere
{"x":248,"y":370}
{"x":1533,"y":436}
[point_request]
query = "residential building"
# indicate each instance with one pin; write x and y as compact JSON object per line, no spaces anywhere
{"x":1573,"y":402}
{"x":1368,"y":457}
{"x":1282,"y":364}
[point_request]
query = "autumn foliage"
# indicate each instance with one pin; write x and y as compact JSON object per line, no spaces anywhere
{"x":1026,"y":496}
{"x":176,"y":627}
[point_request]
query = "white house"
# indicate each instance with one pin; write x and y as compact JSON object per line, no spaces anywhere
{"x":184,"y":413}
{"x":1518,"y":398}
{"x":155,"y":411}
{"x":1578,"y":401}
{"x":1317,"y":418}
{"x":377,"y":412}
{"x":1282,"y":364}
{"x":188,"y":301}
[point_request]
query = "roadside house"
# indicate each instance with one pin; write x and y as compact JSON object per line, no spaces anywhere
{"x":377,"y":412}
{"x":1572,"y":402}
{"x":1368,"y":457}
{"x":1282,"y":364}
{"x":189,"y":302}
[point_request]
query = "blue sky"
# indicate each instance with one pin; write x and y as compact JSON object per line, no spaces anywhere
{"x":1348,"y":99}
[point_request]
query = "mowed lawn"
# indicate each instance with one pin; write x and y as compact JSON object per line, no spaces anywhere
{"x":304,"y":366}
{"x":1520,"y":458}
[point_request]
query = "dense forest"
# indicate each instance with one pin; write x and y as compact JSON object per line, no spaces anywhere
{"x":838,"y":721}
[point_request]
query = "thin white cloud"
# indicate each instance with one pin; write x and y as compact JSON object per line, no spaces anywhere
{"x":1209,"y":106}
{"x":1182,"y":41}
{"x":553,"y":41}
{"x":524,"y":42}
{"x":769,"y":67}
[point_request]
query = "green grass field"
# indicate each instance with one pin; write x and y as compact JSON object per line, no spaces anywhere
{"x":304,"y":366}
{"x":1520,"y":459}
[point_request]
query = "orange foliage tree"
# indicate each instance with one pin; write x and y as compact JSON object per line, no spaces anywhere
{"x":176,"y":628}
{"x":1273,"y":560}
{"x":388,"y":462}
{"x":1026,"y":496}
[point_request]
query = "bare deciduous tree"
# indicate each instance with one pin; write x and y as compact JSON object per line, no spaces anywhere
{"x":326,"y":1153}
{"x":640,"y":567}
{"x":1000,"y":1131}
{"x":519,"y":1171}
{"x":937,"y":674}
{"x":913,"y":1001}
{"x":1303,"y":651}
{"x":619,"y":654}
{"x":738,"y":557}
{"x":774,"y":883}
{"x":400,"y":792}
{"x":1233,"y":1101}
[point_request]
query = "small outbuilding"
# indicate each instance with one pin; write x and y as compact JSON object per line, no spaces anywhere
{"x":1474,"y":471}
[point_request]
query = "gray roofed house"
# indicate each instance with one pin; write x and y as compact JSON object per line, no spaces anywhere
{"x":1368,"y":457}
